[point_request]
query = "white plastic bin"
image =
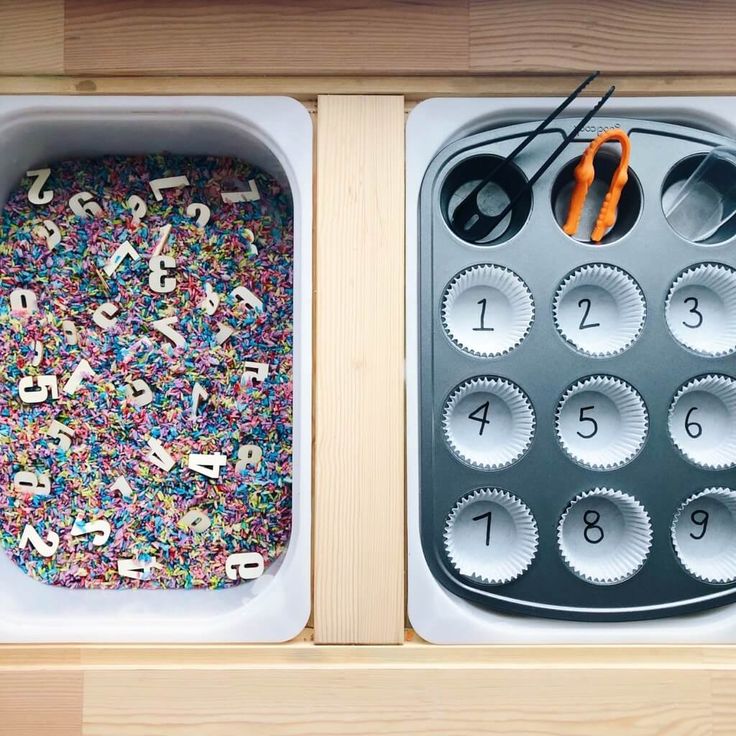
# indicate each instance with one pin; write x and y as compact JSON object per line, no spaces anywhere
{"x":274,"y":133}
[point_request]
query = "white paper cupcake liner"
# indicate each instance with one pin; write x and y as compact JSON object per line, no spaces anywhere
{"x":702,"y":421}
{"x":601,"y":422}
{"x":487,"y":310}
{"x":604,"y":536}
{"x":491,"y":536}
{"x":701,"y":309}
{"x":599,"y":310}
{"x":488,"y":422}
{"x":704,"y":535}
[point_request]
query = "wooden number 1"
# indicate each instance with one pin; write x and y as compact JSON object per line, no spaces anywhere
{"x":244,"y":565}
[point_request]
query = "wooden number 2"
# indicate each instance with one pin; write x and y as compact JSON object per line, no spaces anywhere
{"x":35,"y":195}
{"x":45,"y":547}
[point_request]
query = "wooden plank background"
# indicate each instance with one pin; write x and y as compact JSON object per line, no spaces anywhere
{"x":359,"y":371}
{"x":285,"y":37}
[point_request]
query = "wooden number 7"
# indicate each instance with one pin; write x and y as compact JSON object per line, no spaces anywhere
{"x":45,"y":547}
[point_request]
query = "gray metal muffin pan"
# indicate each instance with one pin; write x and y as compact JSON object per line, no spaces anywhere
{"x":546,"y":479}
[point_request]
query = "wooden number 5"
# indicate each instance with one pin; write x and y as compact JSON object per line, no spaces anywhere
{"x":45,"y":547}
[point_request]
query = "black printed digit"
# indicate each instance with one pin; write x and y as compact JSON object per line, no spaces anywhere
{"x":586,"y":304}
{"x":594,"y":425}
{"x":701,"y":521}
{"x":483,"y":304}
{"x":488,"y":515}
{"x":694,"y":429}
{"x":592,"y":532}
{"x":693,"y":310}
{"x":481,"y":415}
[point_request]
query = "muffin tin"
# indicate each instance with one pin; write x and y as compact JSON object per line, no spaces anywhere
{"x":576,"y":402}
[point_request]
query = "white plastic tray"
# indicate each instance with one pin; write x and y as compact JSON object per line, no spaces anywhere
{"x":274,"y":133}
{"x":438,"y":615}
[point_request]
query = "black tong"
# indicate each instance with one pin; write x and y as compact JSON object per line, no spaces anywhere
{"x":468,"y":222}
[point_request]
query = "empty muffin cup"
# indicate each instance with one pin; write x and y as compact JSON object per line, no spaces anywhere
{"x":488,"y":422}
{"x":704,"y":535}
{"x":702,"y":421}
{"x":490,"y":536}
{"x":701,"y":309}
{"x":604,"y":536}
{"x":599,"y":310}
{"x":487,"y":310}
{"x":601,"y":422}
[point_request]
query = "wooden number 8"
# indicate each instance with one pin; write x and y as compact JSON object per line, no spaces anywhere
{"x":244,"y":565}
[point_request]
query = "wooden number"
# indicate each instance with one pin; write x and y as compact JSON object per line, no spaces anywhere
{"x":594,"y":425}
{"x":100,"y":528}
{"x":245,"y":297}
{"x":254,"y":372}
{"x":45,"y":547}
{"x":137,"y":205}
{"x":82,"y":371}
{"x":244,"y":565}
{"x":83,"y":205}
{"x":199,"y":393}
{"x":138,"y":393}
{"x":586,"y":304}
{"x":122,"y":485}
{"x":164,"y":327}
{"x":161,"y":279}
{"x":163,"y":238}
{"x":207,"y":465}
{"x":250,"y":195}
{"x":159,"y":455}
{"x":224,"y":333}
{"x":36,"y":389}
{"x":248,"y":455}
{"x":137,"y":569}
{"x":700,"y":518}
{"x":124,"y":250}
{"x":35,"y":193}
{"x":50,"y":232}
{"x":200,"y":211}
{"x":23,"y":300}
{"x":211,"y":300}
{"x":38,"y":353}
{"x":70,"y":332}
{"x":28,"y":482}
{"x":592,"y":532}
{"x":248,"y":234}
{"x":104,"y":315}
{"x":167,"y":182}
{"x":694,"y":429}
{"x":63,"y":434}
{"x":196,"y":520}
{"x":481,"y":415}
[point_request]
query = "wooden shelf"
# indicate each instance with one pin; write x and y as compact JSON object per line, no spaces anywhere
{"x":358,"y":67}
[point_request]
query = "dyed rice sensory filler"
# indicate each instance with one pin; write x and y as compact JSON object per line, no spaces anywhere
{"x":146,"y":364}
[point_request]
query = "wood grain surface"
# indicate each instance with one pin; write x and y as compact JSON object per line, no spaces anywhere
{"x":366,"y":37}
{"x":359,"y":381}
{"x":302,"y":690}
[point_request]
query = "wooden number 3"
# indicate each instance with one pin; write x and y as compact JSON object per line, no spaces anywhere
{"x":161,"y":279}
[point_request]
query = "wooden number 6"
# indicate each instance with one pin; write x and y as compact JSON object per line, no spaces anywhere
{"x":83,"y":205}
{"x":49,"y":232}
{"x":244,"y":565}
{"x":46,"y":548}
{"x":26,"y":481}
